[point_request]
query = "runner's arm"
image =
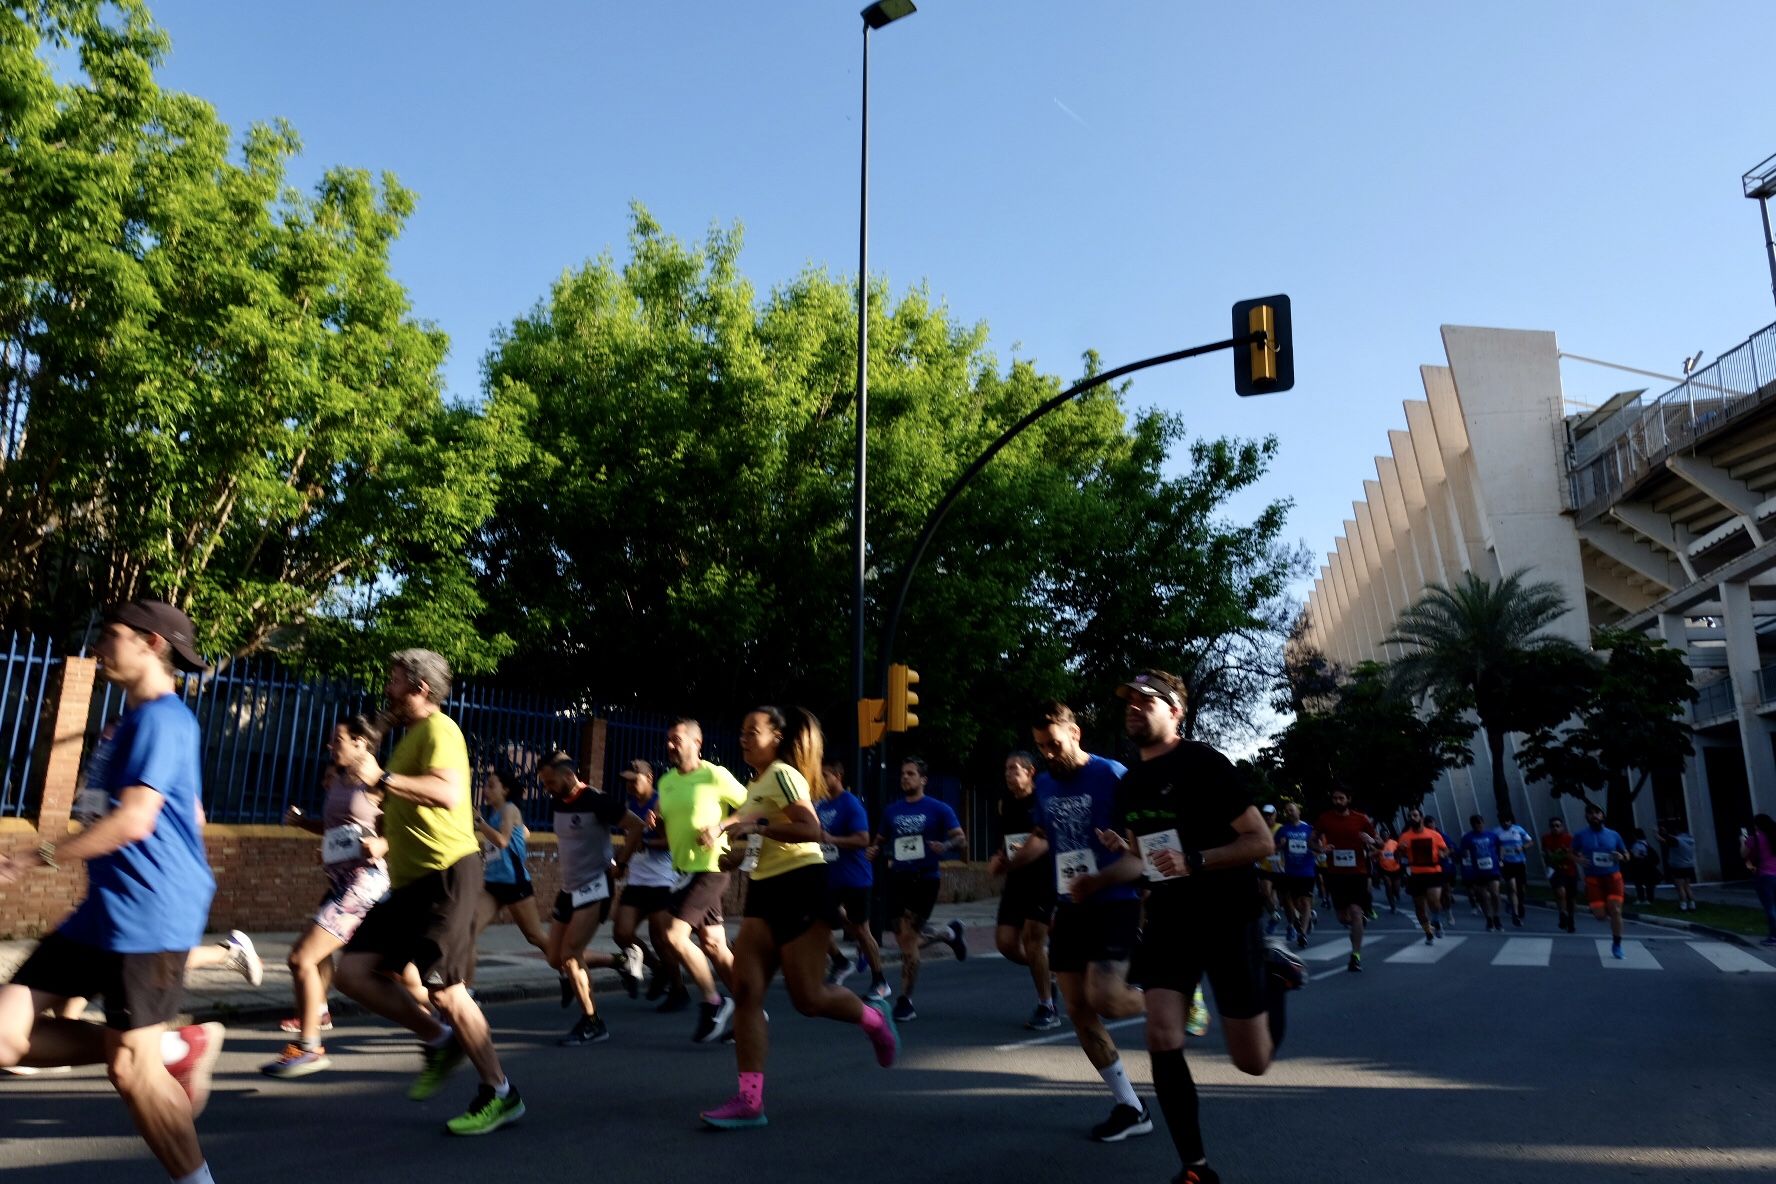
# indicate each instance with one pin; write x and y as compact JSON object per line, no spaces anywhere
{"x":441,"y":788}
{"x":1251,"y":842}
{"x":138,"y":809}
{"x":1033,"y":848}
{"x":501,"y":838}
{"x":954,"y":843}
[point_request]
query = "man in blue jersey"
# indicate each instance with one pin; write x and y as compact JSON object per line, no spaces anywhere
{"x":845,"y":841}
{"x":1514,"y":843}
{"x":1600,"y":852}
{"x":1097,"y":920}
{"x":148,"y":896}
{"x":916,"y":833}
{"x":1480,"y":857}
{"x":1295,"y":844}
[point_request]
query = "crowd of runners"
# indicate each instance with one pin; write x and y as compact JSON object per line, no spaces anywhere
{"x":1124,"y":889}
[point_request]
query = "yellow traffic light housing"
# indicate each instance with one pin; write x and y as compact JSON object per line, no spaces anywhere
{"x":870,"y":725}
{"x":1267,"y":365}
{"x":901,"y":697}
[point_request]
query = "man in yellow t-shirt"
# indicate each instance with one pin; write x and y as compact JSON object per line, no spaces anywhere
{"x":428,"y":918}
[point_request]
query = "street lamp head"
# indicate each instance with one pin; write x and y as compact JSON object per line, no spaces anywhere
{"x":886,"y":12}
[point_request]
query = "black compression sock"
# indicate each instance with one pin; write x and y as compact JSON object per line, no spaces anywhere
{"x":1176,"y":1091}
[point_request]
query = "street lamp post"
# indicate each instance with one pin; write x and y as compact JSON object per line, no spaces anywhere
{"x":1760,"y":183}
{"x":878,"y":15}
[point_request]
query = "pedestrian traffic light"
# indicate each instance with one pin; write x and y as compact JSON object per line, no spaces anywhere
{"x":1267,"y":366}
{"x":901,"y":697}
{"x":869,"y":723}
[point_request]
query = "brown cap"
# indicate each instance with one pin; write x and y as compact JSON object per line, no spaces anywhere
{"x":637,"y":769}
{"x":157,"y":616}
{"x":1154,"y":684}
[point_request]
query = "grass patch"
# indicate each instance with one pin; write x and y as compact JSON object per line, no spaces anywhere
{"x":1747,"y":922}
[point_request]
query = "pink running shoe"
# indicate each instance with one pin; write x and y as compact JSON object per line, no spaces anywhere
{"x":734,"y":1114}
{"x":883,"y":1036}
{"x":203,"y":1045}
{"x":294,"y":1023}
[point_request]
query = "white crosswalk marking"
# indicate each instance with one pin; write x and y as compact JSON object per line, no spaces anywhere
{"x":1423,"y":954}
{"x":1732,"y":959}
{"x":1635,"y":956}
{"x":1332,"y":951}
{"x":1524,"y":951}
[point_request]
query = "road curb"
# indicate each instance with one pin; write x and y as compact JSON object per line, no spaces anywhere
{"x":1726,"y":935}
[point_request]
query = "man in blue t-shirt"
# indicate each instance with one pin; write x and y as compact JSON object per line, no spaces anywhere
{"x":1514,"y":843}
{"x":916,"y":833}
{"x":1600,"y":852}
{"x":845,"y":841}
{"x":1480,"y":860}
{"x":148,"y":896}
{"x":1295,"y":844}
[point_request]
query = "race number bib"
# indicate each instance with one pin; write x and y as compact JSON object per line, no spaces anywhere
{"x":599,"y":889}
{"x":1298,"y":846}
{"x":91,"y":804}
{"x":829,"y":853}
{"x":909,"y":848}
{"x":754,"y":843}
{"x":1151,"y":845}
{"x":1512,"y":851}
{"x":1343,"y":858}
{"x":342,"y":844}
{"x":1605,"y":860}
{"x":1013,"y":842}
{"x":1483,"y":862}
{"x":489,"y":853}
{"x":1069,"y":866}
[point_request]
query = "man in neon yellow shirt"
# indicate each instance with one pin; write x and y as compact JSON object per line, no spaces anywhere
{"x":428,"y":918}
{"x":694,"y":797}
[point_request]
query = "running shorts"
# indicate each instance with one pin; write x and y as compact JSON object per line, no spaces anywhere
{"x":1087,"y":933}
{"x":1348,"y":890}
{"x":1681,"y":875}
{"x":699,"y":902}
{"x":140,"y":990}
{"x":1296,"y":887}
{"x":1176,"y":953}
{"x":1421,"y":883}
{"x":646,"y":899}
{"x":1027,"y":898}
{"x":1517,"y":873}
{"x":911,"y":896}
{"x":350,"y":898}
{"x":429,"y":922}
{"x":1600,"y":890}
{"x":510,"y":894}
{"x":565,"y":909}
{"x":793,"y":902}
{"x":854,"y":902}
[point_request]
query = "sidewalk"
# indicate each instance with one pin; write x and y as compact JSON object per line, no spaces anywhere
{"x":508,"y":968}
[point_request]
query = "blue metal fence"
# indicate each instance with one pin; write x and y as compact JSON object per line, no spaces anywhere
{"x":631,"y":734}
{"x":24,"y":683}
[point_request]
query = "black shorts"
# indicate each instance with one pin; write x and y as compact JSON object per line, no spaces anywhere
{"x":429,"y":922}
{"x":1027,"y":897}
{"x":1420,"y":884}
{"x":1517,"y":873}
{"x":1568,"y":880}
{"x":1349,"y":888}
{"x":509,"y":894}
{"x":699,"y":903}
{"x":1087,"y":933}
{"x":854,"y":902}
{"x":1682,"y":875}
{"x":140,"y":990}
{"x":1480,"y":878}
{"x":911,"y":896}
{"x":1296,"y":887}
{"x":646,"y":899}
{"x":1176,"y":953}
{"x":793,"y":902}
{"x":564,"y":909}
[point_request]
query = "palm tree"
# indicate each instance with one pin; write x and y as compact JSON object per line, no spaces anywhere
{"x":1482,"y":645}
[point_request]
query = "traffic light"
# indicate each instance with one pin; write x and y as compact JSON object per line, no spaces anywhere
{"x":869,"y":723}
{"x":901,"y":697}
{"x":1268,"y":366}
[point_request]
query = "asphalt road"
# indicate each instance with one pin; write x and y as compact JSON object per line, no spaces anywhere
{"x":1563,"y":1067}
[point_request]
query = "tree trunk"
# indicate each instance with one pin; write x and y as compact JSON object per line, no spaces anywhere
{"x":1501,"y":790}
{"x":1618,"y":804}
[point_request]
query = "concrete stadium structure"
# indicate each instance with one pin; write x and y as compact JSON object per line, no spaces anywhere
{"x":1655,"y":513}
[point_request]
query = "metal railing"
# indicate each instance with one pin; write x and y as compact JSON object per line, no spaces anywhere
{"x":1626,"y":445}
{"x":630,"y":735}
{"x":1767,"y":684}
{"x":25,"y":667}
{"x":1714,"y":699}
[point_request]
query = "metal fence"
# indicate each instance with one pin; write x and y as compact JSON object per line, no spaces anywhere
{"x":24,"y":683}
{"x":1767,"y":684}
{"x":630,"y":735}
{"x":1714,"y":700}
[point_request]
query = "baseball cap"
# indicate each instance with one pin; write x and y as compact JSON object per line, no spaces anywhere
{"x":1150,"y":684}
{"x":1269,"y":809}
{"x":157,"y":616}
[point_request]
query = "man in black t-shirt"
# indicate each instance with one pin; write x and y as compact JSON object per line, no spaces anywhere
{"x":1027,"y":903}
{"x":1188,"y":828}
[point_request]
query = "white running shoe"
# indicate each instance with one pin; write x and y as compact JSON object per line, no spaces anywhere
{"x":244,"y":958}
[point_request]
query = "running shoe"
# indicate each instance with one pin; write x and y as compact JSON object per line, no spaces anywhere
{"x":1286,"y":967}
{"x":629,"y":969}
{"x":293,"y":1025}
{"x":1199,"y":1173}
{"x":1196,"y":1020}
{"x":590,"y":1030}
{"x":1044,"y":1019}
{"x":1429,"y":940}
{"x":244,"y":958}
{"x":885,"y":1040}
{"x":1301,"y":942}
{"x":297,"y":1061}
{"x":1616,"y":951}
{"x":734,"y":1114}
{"x":1437,"y":928}
{"x":203,"y":1045}
{"x":1356,"y":964}
{"x":675,"y":1001}
{"x":957,"y":942}
{"x":839,"y":968}
{"x":903,"y":1010}
{"x":879,"y":988}
{"x":488,"y":1112}
{"x":1125,"y":1122}
{"x":1516,"y":921}
{"x":34,"y":1070}
{"x":713,"y":1022}
{"x":440,"y":1062}
{"x":658,"y":985}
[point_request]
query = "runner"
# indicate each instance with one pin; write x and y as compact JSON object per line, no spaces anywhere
{"x":428,"y":917}
{"x":1295,"y":843}
{"x":352,"y":853}
{"x":790,"y":909}
{"x":1514,"y":842}
{"x":1348,"y":836}
{"x":845,"y":842}
{"x":646,"y":868}
{"x":1680,"y":861}
{"x":1447,"y":896}
{"x":583,"y":818}
{"x":1600,"y":852}
{"x":1027,"y":902}
{"x":148,"y":893}
{"x":1097,"y":919}
{"x":504,"y":850}
{"x":1270,"y":868}
{"x":1425,"y":849}
{"x":1480,"y":853}
{"x":1563,"y":870}
{"x":1388,"y":860}
{"x":916,"y":833}
{"x":1196,"y":839}
{"x":694,"y":796}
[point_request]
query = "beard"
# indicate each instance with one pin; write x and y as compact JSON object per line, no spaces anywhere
{"x":1143,"y":732}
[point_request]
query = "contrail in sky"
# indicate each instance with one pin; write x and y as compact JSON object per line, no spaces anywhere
{"x":1072,"y":114}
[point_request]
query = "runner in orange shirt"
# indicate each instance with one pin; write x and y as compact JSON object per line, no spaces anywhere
{"x":1424,"y":849}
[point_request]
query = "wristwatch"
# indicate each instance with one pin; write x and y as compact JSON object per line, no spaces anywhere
{"x":382,"y":782}
{"x":1194,"y":861}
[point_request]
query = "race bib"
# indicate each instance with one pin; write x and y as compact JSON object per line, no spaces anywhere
{"x":1298,"y":846}
{"x":489,"y":853}
{"x":829,"y":853}
{"x":1069,"y":866}
{"x":1604,"y":859}
{"x":1013,"y":842}
{"x":1483,"y":862}
{"x":599,"y":889}
{"x":1151,"y":845}
{"x":342,"y":844}
{"x":1512,"y":850}
{"x":1319,"y":859}
{"x":753,"y":845}
{"x":909,"y":848}
{"x":1343,"y":858}
{"x":91,"y":804}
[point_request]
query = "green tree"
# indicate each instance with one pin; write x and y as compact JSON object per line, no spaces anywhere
{"x":211,"y":389}
{"x":1482,"y":646}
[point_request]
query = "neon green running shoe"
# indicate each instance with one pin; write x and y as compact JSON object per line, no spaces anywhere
{"x":487,"y":1113}
{"x":440,"y":1063}
{"x":1197,"y":1022}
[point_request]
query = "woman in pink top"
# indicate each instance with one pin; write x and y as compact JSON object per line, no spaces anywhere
{"x":1759,"y":850}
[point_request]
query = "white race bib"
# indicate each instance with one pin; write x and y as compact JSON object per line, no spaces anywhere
{"x":599,"y":889}
{"x":1013,"y":842}
{"x":1604,"y":859}
{"x":1298,"y":846}
{"x":91,"y":804}
{"x":1165,"y":840}
{"x":754,"y":842}
{"x":829,"y":853}
{"x":909,"y":848}
{"x":342,"y":844}
{"x":1069,"y":866}
{"x":1483,"y":862}
{"x":1343,"y":858}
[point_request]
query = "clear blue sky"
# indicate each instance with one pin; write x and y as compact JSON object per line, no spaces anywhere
{"x":1107,"y":176}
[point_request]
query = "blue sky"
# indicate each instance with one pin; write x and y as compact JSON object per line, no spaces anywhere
{"x":1108,"y":176}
